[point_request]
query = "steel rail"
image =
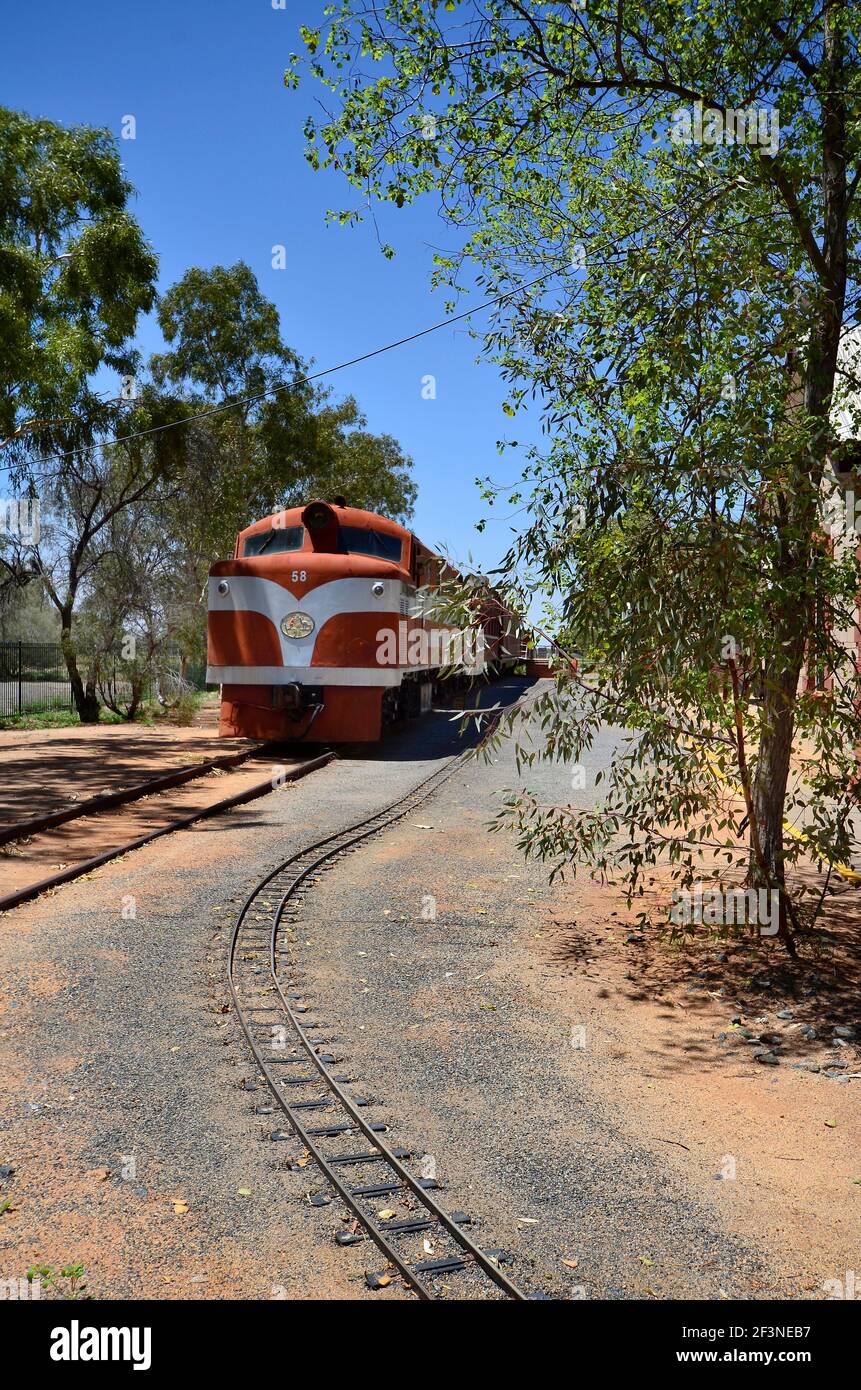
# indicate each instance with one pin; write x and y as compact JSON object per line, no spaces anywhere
{"x":216,"y":808}
{"x":109,"y":801}
{"x":332,"y":846}
{"x":462,"y":1239}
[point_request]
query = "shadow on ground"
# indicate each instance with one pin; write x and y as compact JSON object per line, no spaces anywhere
{"x":724,"y":993}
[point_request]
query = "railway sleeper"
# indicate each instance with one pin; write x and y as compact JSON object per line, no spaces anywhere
{"x":390,"y":1227}
{"x":381,"y":1189}
{"x":374,"y":1156}
{"x":447,"y":1264}
{"x":299,"y":1080}
{"x":410,"y":1225}
{"x":332,"y":1131}
{"x":326,"y":1103}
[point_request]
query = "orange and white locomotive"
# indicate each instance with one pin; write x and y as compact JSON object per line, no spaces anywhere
{"x":320,"y":627}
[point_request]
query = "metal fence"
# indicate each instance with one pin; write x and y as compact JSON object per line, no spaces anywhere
{"x":33,"y":678}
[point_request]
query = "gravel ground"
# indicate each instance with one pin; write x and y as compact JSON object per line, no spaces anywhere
{"x":115,"y":1044}
{"x":123,"y":1078}
{"x":445,"y":1021}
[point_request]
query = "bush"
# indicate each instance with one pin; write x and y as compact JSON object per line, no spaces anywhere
{"x":184,"y":709}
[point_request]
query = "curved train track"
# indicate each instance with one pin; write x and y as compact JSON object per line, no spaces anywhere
{"x":294,"y":1052}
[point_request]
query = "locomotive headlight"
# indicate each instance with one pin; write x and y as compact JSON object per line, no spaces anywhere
{"x":378,"y":589}
{"x":223,"y":587}
{"x":297,"y":625}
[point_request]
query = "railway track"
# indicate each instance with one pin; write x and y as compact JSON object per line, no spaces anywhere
{"x":301,"y":1062}
{"x":85,"y":866}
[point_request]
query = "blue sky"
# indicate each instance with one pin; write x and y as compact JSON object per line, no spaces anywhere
{"x":220,"y":176}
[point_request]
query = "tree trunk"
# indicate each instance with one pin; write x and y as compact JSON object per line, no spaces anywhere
{"x":85,"y":698}
{"x":798,"y":506}
{"x":768,"y":793}
{"x":136,"y":695}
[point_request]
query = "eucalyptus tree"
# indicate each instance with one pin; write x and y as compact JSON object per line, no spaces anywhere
{"x":222,"y":430}
{"x":269,"y":436}
{"x":75,"y":273}
{"x":664,"y":198}
{"x":100,"y":491}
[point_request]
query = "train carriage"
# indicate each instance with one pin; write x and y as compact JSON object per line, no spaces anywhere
{"x":320,"y":628}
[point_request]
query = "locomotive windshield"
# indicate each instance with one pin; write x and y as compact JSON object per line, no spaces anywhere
{"x":352,"y":540}
{"x":358,"y":541}
{"x":276,"y":539}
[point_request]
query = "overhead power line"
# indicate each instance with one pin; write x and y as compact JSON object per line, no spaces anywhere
{"x":301,"y":381}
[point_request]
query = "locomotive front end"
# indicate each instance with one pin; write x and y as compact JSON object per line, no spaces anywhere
{"x":300,"y":621}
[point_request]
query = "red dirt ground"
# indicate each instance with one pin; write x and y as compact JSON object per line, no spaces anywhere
{"x":659,"y":1008}
{"x":47,"y":770}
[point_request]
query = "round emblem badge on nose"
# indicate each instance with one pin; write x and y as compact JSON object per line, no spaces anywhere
{"x":297,"y":625}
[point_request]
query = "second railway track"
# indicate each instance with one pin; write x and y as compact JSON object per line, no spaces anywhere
{"x":301,"y":1062}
